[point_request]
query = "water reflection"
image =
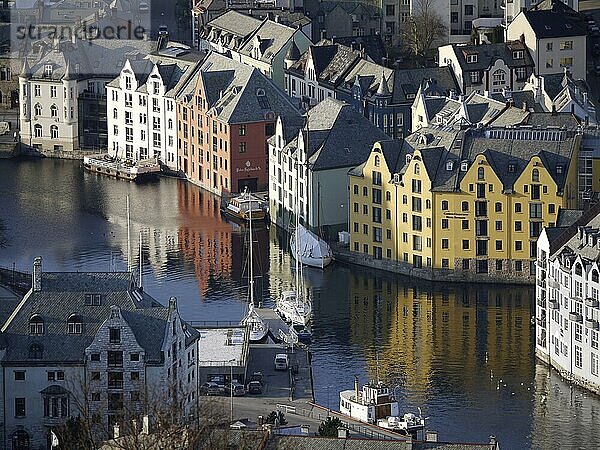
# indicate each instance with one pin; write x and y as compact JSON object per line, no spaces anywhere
{"x":443,"y":348}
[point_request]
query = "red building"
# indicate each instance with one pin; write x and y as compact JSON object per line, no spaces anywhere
{"x":225,"y":114}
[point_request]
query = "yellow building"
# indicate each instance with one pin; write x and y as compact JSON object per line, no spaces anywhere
{"x":462,"y":204}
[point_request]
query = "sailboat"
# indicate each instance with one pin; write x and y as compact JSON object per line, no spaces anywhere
{"x":310,"y":249}
{"x":258,"y":329}
{"x":291,"y":305}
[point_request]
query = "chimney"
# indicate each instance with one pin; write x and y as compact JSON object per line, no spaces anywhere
{"x":522,"y":38}
{"x":36,"y":276}
{"x":431,"y":436}
{"x":116,"y":431}
{"x":323,"y":34}
{"x":145,"y":424}
{"x":277,"y":18}
{"x":356,"y":387}
{"x":524,"y":105}
{"x":585,"y":98}
{"x":342,"y":433}
{"x":493,"y":443}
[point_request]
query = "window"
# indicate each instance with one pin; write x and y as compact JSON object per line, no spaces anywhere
{"x":474,"y":77}
{"x":535,"y":211}
{"x":37,"y":130}
{"x":520,"y":73}
{"x":444,"y":205}
{"x":93,"y":300}
{"x":498,"y":225}
{"x":498,"y":207}
{"x":75,"y":324}
{"x":549,"y":46}
{"x":95,"y":376}
{"x":95,"y":357}
{"x":549,"y":63}
{"x":468,"y":10}
{"x":465,"y":244}
{"x":465,"y":206}
{"x":594,"y":364}
{"x":518,"y":54}
{"x":518,"y":226}
{"x":498,"y":245}
{"x":566,"y":62}
{"x":19,"y":375}
{"x":134,"y":356}
{"x":578,"y":357}
{"x":518,"y":246}
{"x":471,"y":58}
{"x":36,"y":325}
{"x":416,"y":186}
{"x":465,"y":224}
{"x":517,"y":207}
{"x":444,"y":224}
{"x":242,"y":130}
{"x":445,"y":243}
{"x":114,"y":335}
{"x":566,"y":45}
{"x":115,"y":380}
{"x":115,"y":359}
{"x":19,"y":407}
{"x":242,"y":147}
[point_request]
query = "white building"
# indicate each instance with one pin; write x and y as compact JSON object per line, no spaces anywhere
{"x":567,"y":297}
{"x":514,"y":7}
{"x":556,"y":37}
{"x":141,"y":110}
{"x":62,"y":92}
{"x":309,"y":163}
{"x":95,"y":334}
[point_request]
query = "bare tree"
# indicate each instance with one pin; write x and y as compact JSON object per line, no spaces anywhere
{"x":422,"y":29}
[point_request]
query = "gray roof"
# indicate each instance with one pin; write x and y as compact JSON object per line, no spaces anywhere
{"x":294,"y":442}
{"x":62,"y":295}
{"x":567,"y":217}
{"x":519,"y":99}
{"x":372,"y":45}
{"x":408,"y":81}
{"x":103,"y":58}
{"x":553,"y":18}
{"x":350,"y":7}
{"x":235,"y":23}
{"x":338,"y":136}
{"x":488,"y":54}
{"x":271,"y":38}
{"x":504,"y":148}
{"x":565,"y":239}
{"x":241,"y":94}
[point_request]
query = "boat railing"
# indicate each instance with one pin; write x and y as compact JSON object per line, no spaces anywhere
{"x":215,"y":324}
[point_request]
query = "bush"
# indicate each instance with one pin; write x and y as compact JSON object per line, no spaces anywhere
{"x":276,"y":415}
{"x":329,"y":427}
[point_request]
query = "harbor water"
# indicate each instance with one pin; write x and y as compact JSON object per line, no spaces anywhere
{"x":462,"y":353}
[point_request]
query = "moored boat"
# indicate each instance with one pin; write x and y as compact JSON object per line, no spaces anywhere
{"x":257,"y":328}
{"x":122,"y":169}
{"x":310,"y":249}
{"x":301,"y":333}
{"x":373,"y":403}
{"x":244,"y":206}
{"x":293,"y":309}
{"x":409,"y":423}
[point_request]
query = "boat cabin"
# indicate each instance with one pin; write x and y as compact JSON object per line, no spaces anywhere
{"x":374,"y":402}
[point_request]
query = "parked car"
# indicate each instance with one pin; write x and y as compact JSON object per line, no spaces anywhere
{"x":255,"y":387}
{"x":257,"y":376}
{"x":210,"y":388}
{"x":237,"y":388}
{"x":281,"y":361}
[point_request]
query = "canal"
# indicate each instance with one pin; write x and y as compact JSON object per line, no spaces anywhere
{"x":462,"y":353}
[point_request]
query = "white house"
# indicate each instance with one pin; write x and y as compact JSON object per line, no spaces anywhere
{"x":555,"y":35}
{"x":567,"y":298}
{"x":141,"y":110}
{"x":309,"y":163}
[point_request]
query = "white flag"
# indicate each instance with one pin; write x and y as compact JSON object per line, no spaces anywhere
{"x":54,"y":439}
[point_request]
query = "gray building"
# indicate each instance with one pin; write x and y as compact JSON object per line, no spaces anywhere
{"x":90,"y":343}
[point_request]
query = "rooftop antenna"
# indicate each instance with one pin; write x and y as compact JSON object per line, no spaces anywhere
{"x":141,"y":261}
{"x":128,"y":238}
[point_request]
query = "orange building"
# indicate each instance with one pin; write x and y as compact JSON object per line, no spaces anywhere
{"x":225,"y":114}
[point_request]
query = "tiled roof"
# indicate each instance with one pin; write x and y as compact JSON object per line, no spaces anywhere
{"x":488,"y":54}
{"x":240,"y":94}
{"x":271,"y":37}
{"x":408,"y":81}
{"x":553,"y":18}
{"x":372,"y":45}
{"x":235,"y":23}
{"x":61,"y":296}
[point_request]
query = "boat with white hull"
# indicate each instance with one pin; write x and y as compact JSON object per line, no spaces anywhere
{"x":293,"y":309}
{"x":409,"y":423}
{"x":374,"y":402}
{"x":310,"y":249}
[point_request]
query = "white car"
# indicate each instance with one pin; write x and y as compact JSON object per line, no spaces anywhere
{"x":281,"y":361}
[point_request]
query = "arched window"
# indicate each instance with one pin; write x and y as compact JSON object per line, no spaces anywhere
{"x":37,"y":130}
{"x":578,"y":270}
{"x":170,"y":124}
{"x":481,"y":174}
{"x":36,"y":351}
{"x":499,"y":77}
{"x":595,"y":276}
{"x":444,"y":205}
{"x":465,"y":206}
{"x":54,"y":132}
{"x":20,"y":440}
{"x":404,"y":200}
{"x":75,"y":324}
{"x":54,"y":111}
{"x":535,"y":176}
{"x":388,"y":196}
{"x":417,"y":169}
{"x":377,"y":161}
{"x":38,"y":109}
{"x":36,"y":324}
{"x":427,"y":204}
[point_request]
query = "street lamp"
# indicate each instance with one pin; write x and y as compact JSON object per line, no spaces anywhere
{"x":328,"y":407}
{"x":231,"y":361}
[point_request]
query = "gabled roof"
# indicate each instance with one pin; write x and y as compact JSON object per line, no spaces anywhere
{"x":271,"y":36}
{"x":238,"y":93}
{"x":408,"y":81}
{"x":62,"y":295}
{"x":553,"y":18}
{"x":488,"y":54}
{"x":372,"y":45}
{"x":236,"y":23}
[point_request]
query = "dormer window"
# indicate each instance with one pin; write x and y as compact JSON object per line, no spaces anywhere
{"x":464,"y":166}
{"x":36,"y":351}
{"x":127,"y":83}
{"x":36,"y":325}
{"x":408,"y":158}
{"x":559,"y":168}
{"x":449,"y":165}
{"x":75,"y":324}
{"x":518,"y":54}
{"x":93,"y":299}
{"x":471,"y":58}
{"x":511,"y":168}
{"x":48,"y":70}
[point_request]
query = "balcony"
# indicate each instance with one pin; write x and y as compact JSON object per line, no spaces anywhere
{"x":575,"y":317}
{"x":541,"y":322}
{"x":553,"y":304}
{"x":541,"y":302}
{"x":541,"y":283}
{"x":591,"y":302}
{"x":553,"y":283}
{"x":53,"y":422}
{"x":541,"y":342}
{"x":591,"y":323}
{"x":541,"y":263}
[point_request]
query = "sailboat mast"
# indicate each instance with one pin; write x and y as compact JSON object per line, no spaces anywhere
{"x":128,"y":238}
{"x":141,"y":261}
{"x":251,"y":260}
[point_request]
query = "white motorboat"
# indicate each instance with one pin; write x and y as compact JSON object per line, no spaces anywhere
{"x":258,"y":329}
{"x":373,"y":403}
{"x":310,"y":249}
{"x":245,"y":206}
{"x":409,"y":423}
{"x":293,"y":309}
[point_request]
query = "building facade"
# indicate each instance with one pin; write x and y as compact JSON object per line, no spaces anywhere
{"x":462,"y":204}
{"x":225,"y":114}
{"x":567,"y":295}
